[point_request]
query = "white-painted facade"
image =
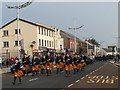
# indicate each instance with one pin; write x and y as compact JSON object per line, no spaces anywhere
{"x":41,"y":35}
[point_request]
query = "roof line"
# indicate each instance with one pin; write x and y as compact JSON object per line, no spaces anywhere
{"x":27,"y":22}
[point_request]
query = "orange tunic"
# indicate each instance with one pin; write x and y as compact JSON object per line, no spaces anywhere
{"x":57,"y":65}
{"x":33,"y":68}
{"x":61,"y":64}
{"x":18,"y":73}
{"x":27,"y":67}
{"x":70,"y":67}
{"x":51,"y":65}
{"x":66,"y":67}
{"x":74,"y":66}
{"x":36,"y":67}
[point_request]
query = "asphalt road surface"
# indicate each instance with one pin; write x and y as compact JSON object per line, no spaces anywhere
{"x":99,"y":74}
{"x":104,"y":77}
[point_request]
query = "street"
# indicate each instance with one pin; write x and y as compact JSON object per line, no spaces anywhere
{"x":104,"y":77}
{"x":97,"y":75}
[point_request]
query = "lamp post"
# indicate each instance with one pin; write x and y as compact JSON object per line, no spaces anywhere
{"x":76,"y":28}
{"x":18,"y":7}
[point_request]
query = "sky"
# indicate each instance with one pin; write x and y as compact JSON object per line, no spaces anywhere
{"x":100,"y":19}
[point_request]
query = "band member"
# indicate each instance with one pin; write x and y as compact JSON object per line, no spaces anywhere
{"x":35,"y":66}
{"x":61,"y":64}
{"x":75,"y":66}
{"x":49,"y":64}
{"x":68,"y":65}
{"x":42,"y":64}
{"x":26,"y":66}
{"x":83,"y":64}
{"x":48,"y":71}
{"x":18,"y":72}
{"x":58,"y":60}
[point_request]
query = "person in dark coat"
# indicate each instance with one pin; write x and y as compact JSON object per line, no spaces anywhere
{"x":18,"y":72}
{"x":68,"y":64}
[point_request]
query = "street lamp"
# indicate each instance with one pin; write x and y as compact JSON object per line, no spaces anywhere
{"x":75,"y":34}
{"x":18,"y":7}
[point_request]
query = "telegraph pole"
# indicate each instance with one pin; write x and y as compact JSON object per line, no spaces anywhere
{"x":18,"y":7}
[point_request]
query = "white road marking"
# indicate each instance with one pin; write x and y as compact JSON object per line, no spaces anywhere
{"x":70,"y":85}
{"x":33,"y":79}
{"x":87,"y":75}
{"x":82,"y":77}
{"x":91,"y":73}
{"x":77,"y":81}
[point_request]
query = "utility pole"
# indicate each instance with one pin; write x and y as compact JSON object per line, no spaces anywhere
{"x":75,"y":28}
{"x":18,"y":7}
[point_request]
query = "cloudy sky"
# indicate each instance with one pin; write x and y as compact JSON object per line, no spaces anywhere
{"x":100,"y":19}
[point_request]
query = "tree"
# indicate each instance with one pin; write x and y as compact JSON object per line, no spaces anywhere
{"x":93,"y":41}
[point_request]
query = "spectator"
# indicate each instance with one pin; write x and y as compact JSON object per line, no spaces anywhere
{"x":12,"y":60}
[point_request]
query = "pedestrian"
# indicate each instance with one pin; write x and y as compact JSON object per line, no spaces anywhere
{"x":18,"y":72}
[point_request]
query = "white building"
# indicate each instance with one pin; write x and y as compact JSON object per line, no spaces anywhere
{"x":31,"y":36}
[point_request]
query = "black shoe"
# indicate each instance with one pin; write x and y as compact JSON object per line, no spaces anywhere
{"x":13,"y":83}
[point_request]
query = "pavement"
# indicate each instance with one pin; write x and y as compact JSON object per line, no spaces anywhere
{"x":116,"y":63}
{"x":53,"y":81}
{"x":4,"y":70}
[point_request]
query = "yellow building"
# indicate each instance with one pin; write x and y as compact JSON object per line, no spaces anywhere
{"x":30,"y":36}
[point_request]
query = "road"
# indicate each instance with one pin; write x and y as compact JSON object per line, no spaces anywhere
{"x":101,"y":69}
{"x":104,"y":77}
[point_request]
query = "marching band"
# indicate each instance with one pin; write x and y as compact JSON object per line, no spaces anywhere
{"x":45,"y":64}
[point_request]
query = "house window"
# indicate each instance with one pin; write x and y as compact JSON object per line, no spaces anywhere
{"x":50,"y":43}
{"x":16,"y":43}
{"x":5,"y":33}
{"x":6,"y":44}
{"x":45,"y":42}
{"x":42,"y":42}
{"x":39,"y":30}
{"x":16,"y":31}
{"x":39,"y":42}
{"x":47,"y":32}
{"x":42,"y":31}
